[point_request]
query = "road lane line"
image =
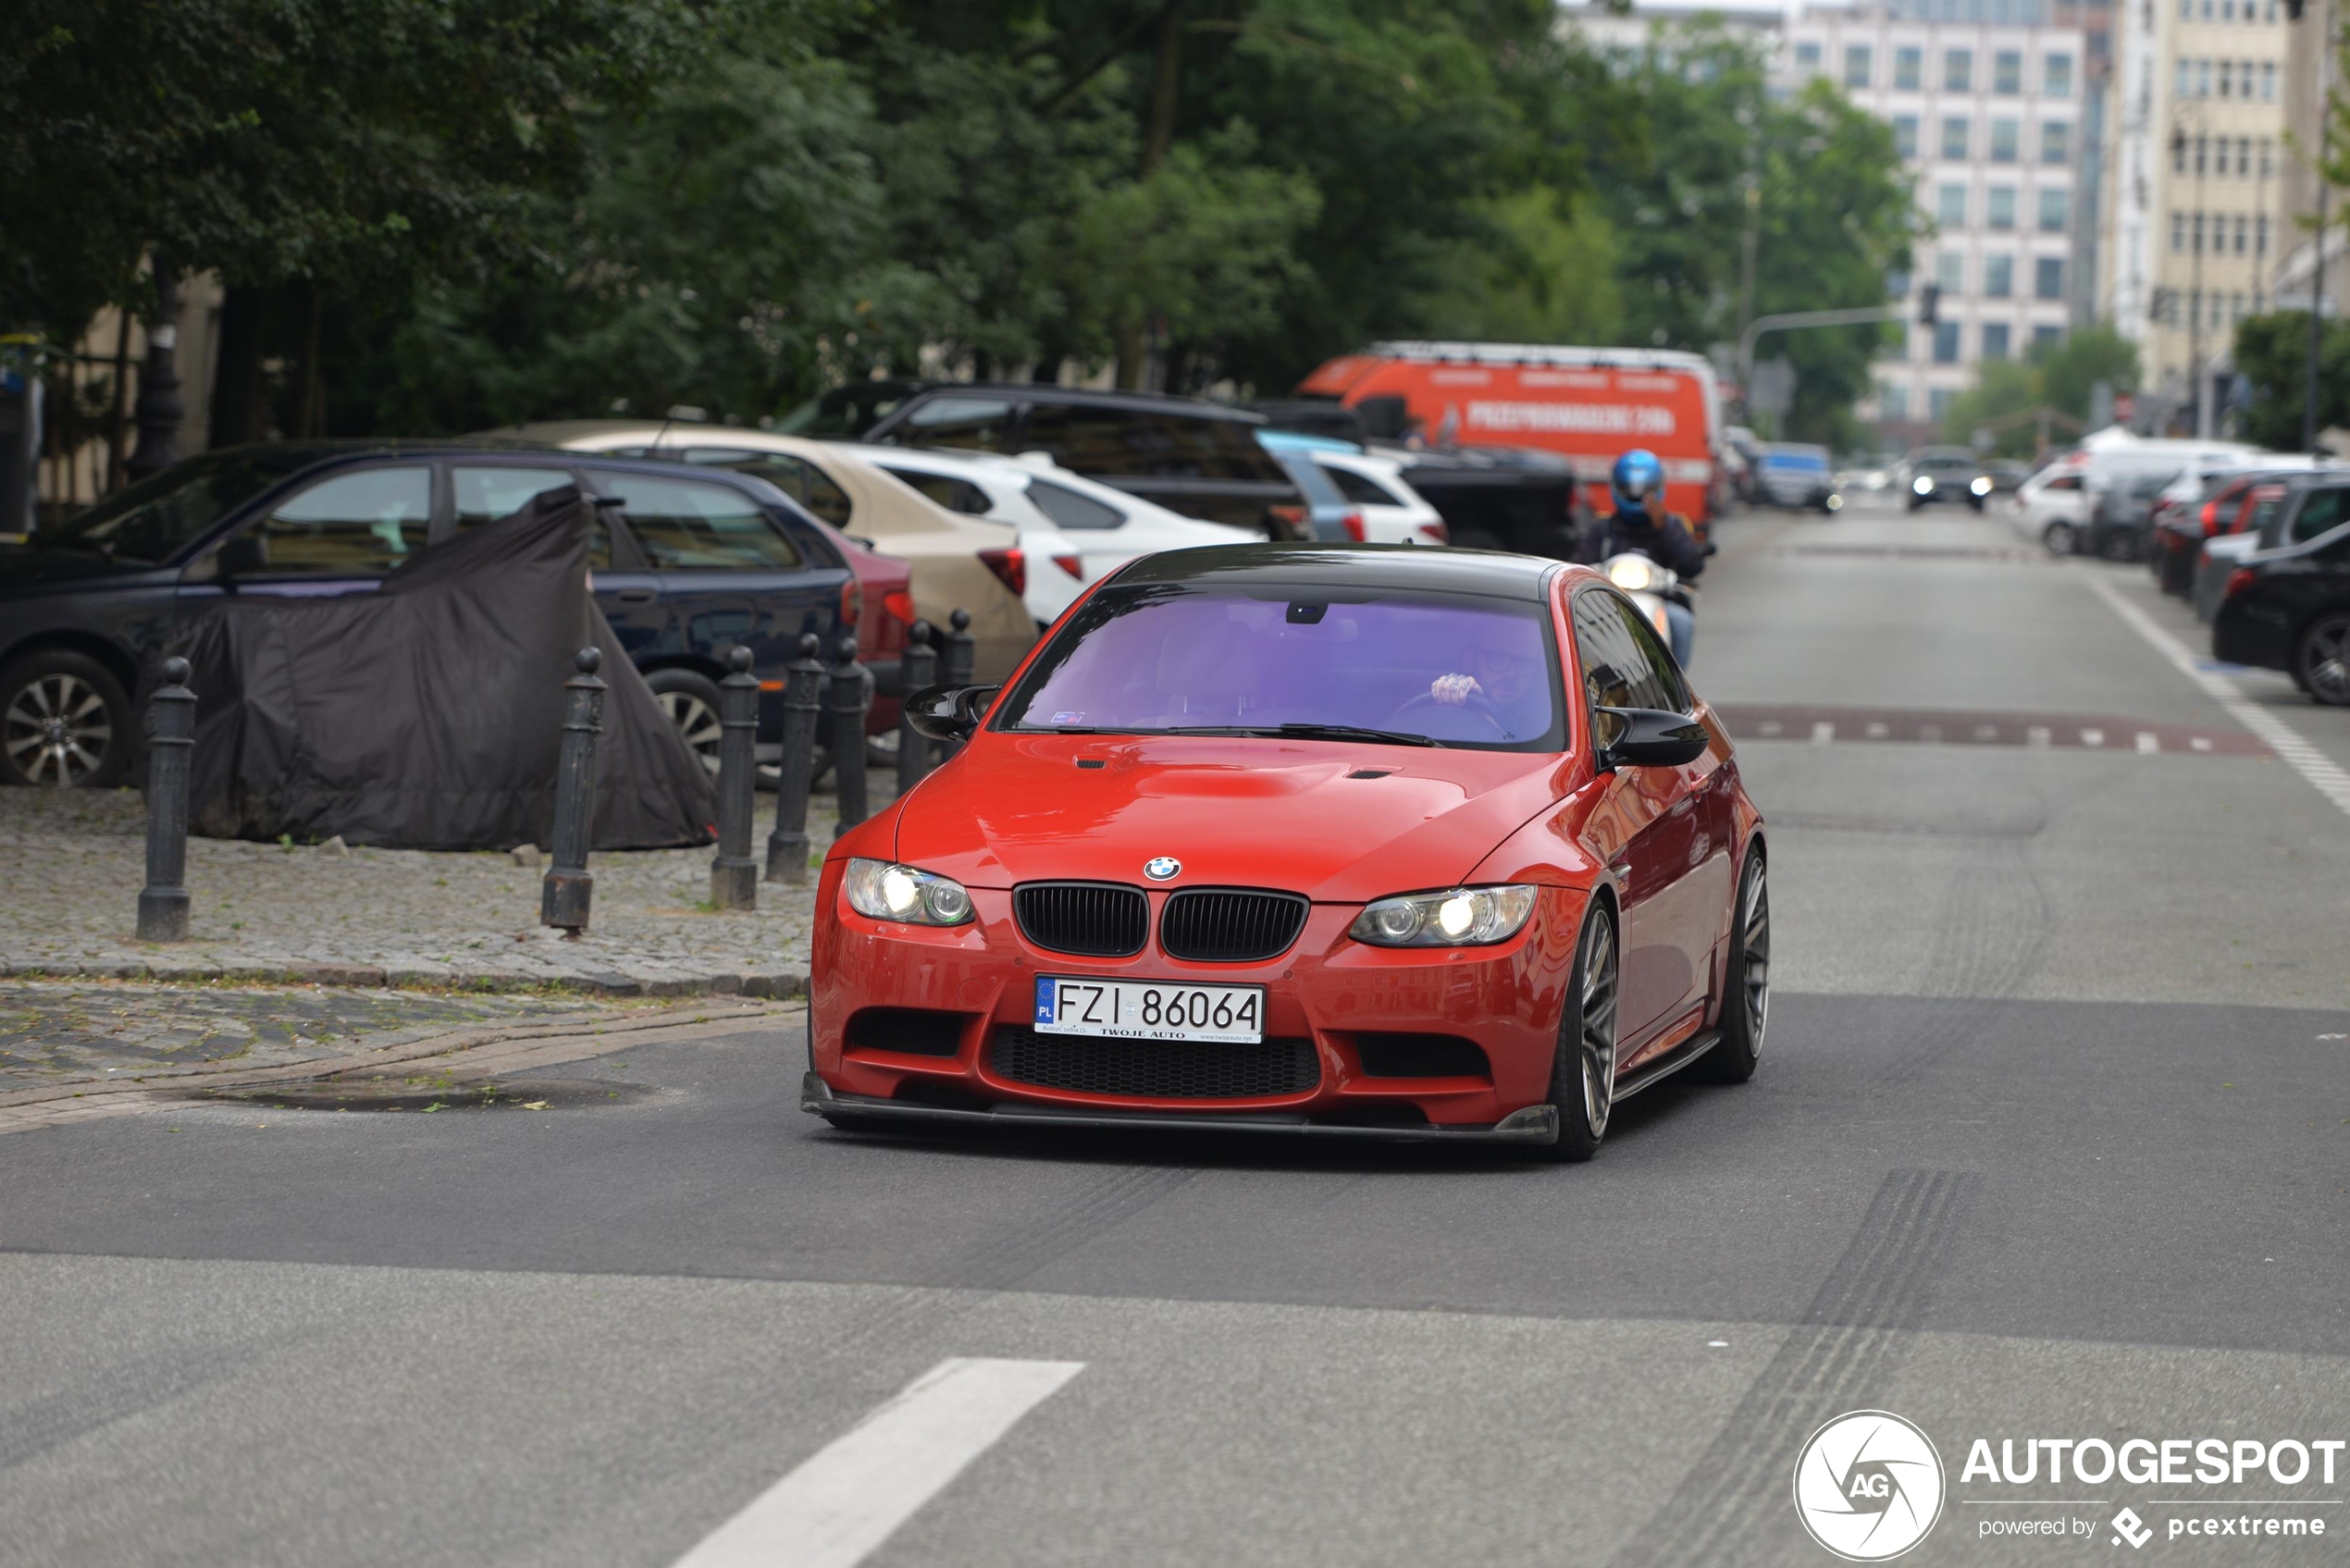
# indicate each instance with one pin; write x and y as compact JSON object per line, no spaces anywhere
{"x":2035,"y":734}
{"x":2315,"y":768}
{"x":2148,"y":742}
{"x":1823,"y":732}
{"x":2092,"y":737}
{"x":853,"y":1493}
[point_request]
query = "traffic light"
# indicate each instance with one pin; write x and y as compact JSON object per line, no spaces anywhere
{"x":1929,"y":304}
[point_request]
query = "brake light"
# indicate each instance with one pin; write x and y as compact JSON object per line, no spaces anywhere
{"x":1289,"y":522}
{"x":1010,"y":565}
{"x":1353,"y":523}
{"x":1070,"y":564}
{"x":1437,"y":532}
{"x":852,"y":604}
{"x":2210,"y":517}
{"x":899,"y":603}
{"x":2238,"y":580}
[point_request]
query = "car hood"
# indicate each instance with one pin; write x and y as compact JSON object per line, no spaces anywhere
{"x":32,"y":569}
{"x":1236,"y":811}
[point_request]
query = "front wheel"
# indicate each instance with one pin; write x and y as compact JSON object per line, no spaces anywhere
{"x":2060,"y":540}
{"x":1746,"y":989}
{"x":1583,"y":1070}
{"x":689,"y":701}
{"x":64,"y":721}
{"x":2321,"y":663}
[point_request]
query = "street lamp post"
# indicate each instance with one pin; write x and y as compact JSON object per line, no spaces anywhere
{"x":158,"y":411}
{"x":2317,"y":271}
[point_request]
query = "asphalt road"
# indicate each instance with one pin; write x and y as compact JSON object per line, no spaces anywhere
{"x":2051,"y":1140}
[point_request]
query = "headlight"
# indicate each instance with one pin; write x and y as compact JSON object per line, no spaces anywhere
{"x":887,"y":892}
{"x":1633,"y":574}
{"x":1981,"y":486}
{"x":1922,"y":485}
{"x":1459,"y":917}
{"x":1836,"y":503}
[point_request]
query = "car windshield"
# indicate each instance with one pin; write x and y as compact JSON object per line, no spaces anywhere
{"x":1166,"y":659}
{"x":156,"y":518}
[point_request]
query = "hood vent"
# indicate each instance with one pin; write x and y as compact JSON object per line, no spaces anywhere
{"x":1370,"y":772}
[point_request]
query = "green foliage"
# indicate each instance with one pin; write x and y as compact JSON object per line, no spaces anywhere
{"x":2061,"y":378}
{"x":1549,"y":276}
{"x":2273,"y":352}
{"x":2087,"y":355}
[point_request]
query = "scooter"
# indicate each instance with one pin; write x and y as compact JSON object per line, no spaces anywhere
{"x":1649,"y":586}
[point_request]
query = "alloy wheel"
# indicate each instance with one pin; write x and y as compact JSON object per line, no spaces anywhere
{"x":1755,"y":936}
{"x":697,"y":722}
{"x":57,"y":730}
{"x":2058,"y":539}
{"x":1596,"y":1044}
{"x":2325,"y":661}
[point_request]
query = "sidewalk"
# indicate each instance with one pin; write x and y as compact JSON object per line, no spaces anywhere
{"x":73,"y":862}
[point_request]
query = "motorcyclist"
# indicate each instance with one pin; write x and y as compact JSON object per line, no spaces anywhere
{"x":1640,"y":525}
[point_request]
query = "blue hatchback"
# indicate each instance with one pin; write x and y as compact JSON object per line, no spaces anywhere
{"x":686,"y":564}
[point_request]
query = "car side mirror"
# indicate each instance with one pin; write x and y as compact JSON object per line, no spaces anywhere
{"x":949,"y":714}
{"x":241,"y":557}
{"x":1645,"y":737}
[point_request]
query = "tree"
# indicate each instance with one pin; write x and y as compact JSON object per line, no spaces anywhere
{"x":2070,"y":369}
{"x":2272,"y":354}
{"x":2062,"y":377}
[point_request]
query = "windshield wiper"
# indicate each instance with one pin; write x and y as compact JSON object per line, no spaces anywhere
{"x":1312,"y":731}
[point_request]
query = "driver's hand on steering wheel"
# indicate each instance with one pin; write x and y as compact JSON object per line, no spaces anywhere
{"x":1453,"y":691}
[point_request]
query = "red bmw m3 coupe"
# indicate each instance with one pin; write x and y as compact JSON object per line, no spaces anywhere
{"x":1351,"y":842}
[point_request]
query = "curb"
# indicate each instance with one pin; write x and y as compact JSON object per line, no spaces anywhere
{"x":775,"y":986}
{"x":95,"y":1092}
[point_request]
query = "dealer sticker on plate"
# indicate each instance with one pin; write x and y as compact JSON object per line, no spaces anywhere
{"x":1126,"y":1010}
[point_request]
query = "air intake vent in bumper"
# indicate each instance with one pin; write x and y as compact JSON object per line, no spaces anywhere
{"x":1161,"y":1070}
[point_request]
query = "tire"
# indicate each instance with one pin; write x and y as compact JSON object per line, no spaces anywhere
{"x":2061,"y":539}
{"x":1746,"y":982}
{"x":690,"y":700}
{"x":65,"y":722}
{"x":2321,"y":659}
{"x":1583,"y":1066}
{"x":2120,"y":546}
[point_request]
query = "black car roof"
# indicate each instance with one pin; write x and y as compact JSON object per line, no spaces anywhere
{"x":1493,"y":574}
{"x":1047,"y":392}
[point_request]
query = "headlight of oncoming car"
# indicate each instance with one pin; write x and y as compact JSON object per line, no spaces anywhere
{"x":887,"y":892}
{"x":1981,"y":486}
{"x":1633,"y":574}
{"x":1458,"y":917}
{"x":1923,"y":484}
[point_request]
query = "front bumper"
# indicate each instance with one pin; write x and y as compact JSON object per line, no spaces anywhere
{"x":1534,"y":1124}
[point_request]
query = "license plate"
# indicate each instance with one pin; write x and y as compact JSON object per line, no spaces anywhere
{"x":1127,"y":1009}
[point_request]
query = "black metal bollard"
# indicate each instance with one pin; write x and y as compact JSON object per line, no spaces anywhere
{"x":171,"y":740}
{"x":803,"y":708}
{"x":920,"y":666}
{"x":955,"y":669}
{"x":733,"y":875}
{"x":851,"y":693}
{"x":569,"y":886}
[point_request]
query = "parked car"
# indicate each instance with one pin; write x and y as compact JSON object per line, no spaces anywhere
{"x":685,"y":566}
{"x":2178,"y":532}
{"x":1795,"y":475}
{"x":957,"y":562}
{"x":2222,"y":554}
{"x":2052,"y":507}
{"x":2286,"y":605}
{"x":2121,"y":514}
{"x":1946,"y":475}
{"x":1194,"y":457}
{"x":1393,"y":512}
{"x":1081,"y":528}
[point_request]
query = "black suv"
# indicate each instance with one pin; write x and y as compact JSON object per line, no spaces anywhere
{"x":1199,"y":458}
{"x":2286,"y":606}
{"x":688,"y":563}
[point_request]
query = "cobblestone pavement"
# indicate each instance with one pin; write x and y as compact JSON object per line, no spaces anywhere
{"x":57,"y":1031}
{"x":72,"y":862}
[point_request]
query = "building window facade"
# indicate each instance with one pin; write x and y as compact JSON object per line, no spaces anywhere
{"x":2055,"y":76}
{"x":2055,"y":210}
{"x":2048,"y":277}
{"x":1858,"y":64}
{"x":2007,"y":72}
{"x":1946,"y":343}
{"x":1958,"y":70}
{"x":2056,"y":142}
{"x":1908,"y":69}
{"x":1998,"y":277}
{"x":1950,"y":205}
{"x":1995,"y":340}
{"x":1905,"y":135}
{"x":1955,"y":138}
{"x":1998,"y":209}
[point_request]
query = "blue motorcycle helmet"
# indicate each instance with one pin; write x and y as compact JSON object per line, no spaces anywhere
{"x":1636,"y":478}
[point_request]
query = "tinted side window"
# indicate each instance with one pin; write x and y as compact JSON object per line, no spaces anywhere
{"x":977,"y":424}
{"x":1144,"y":444}
{"x":1622,"y":664}
{"x":1360,"y":490}
{"x":2321,"y":513}
{"x":683,"y":525}
{"x":1070,"y":510}
{"x":798,"y":478}
{"x":360,"y":524}
{"x":955,"y":494}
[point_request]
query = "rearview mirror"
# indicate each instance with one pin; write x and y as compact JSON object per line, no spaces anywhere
{"x":1644,"y":737}
{"x":949,"y":714}
{"x":241,"y":557}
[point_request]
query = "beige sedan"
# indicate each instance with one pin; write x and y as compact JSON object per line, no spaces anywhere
{"x":943,"y":549}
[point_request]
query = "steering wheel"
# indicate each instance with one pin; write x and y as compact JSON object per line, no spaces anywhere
{"x":1476,"y":702}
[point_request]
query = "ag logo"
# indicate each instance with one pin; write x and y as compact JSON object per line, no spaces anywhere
{"x":1162,"y":868}
{"x":1868,"y":1485}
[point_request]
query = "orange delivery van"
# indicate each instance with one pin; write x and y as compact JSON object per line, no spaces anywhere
{"x":1588,"y":405}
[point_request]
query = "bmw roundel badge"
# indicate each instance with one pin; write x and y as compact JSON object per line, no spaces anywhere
{"x":1162,"y":868}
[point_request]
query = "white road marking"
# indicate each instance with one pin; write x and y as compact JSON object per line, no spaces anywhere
{"x":2201,"y":742}
{"x":1877,"y":732}
{"x":1771,"y":726}
{"x":1930,"y":732}
{"x":2148,"y":742}
{"x":852,"y":1494}
{"x":2092,"y":737}
{"x":1987,"y":731}
{"x":1823,"y":732}
{"x":2037,"y":734}
{"x":2315,"y":767}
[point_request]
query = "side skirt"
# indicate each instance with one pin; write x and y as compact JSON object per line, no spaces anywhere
{"x":1664,"y":1066}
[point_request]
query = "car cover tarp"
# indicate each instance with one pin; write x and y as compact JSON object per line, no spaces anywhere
{"x":429,"y":714}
